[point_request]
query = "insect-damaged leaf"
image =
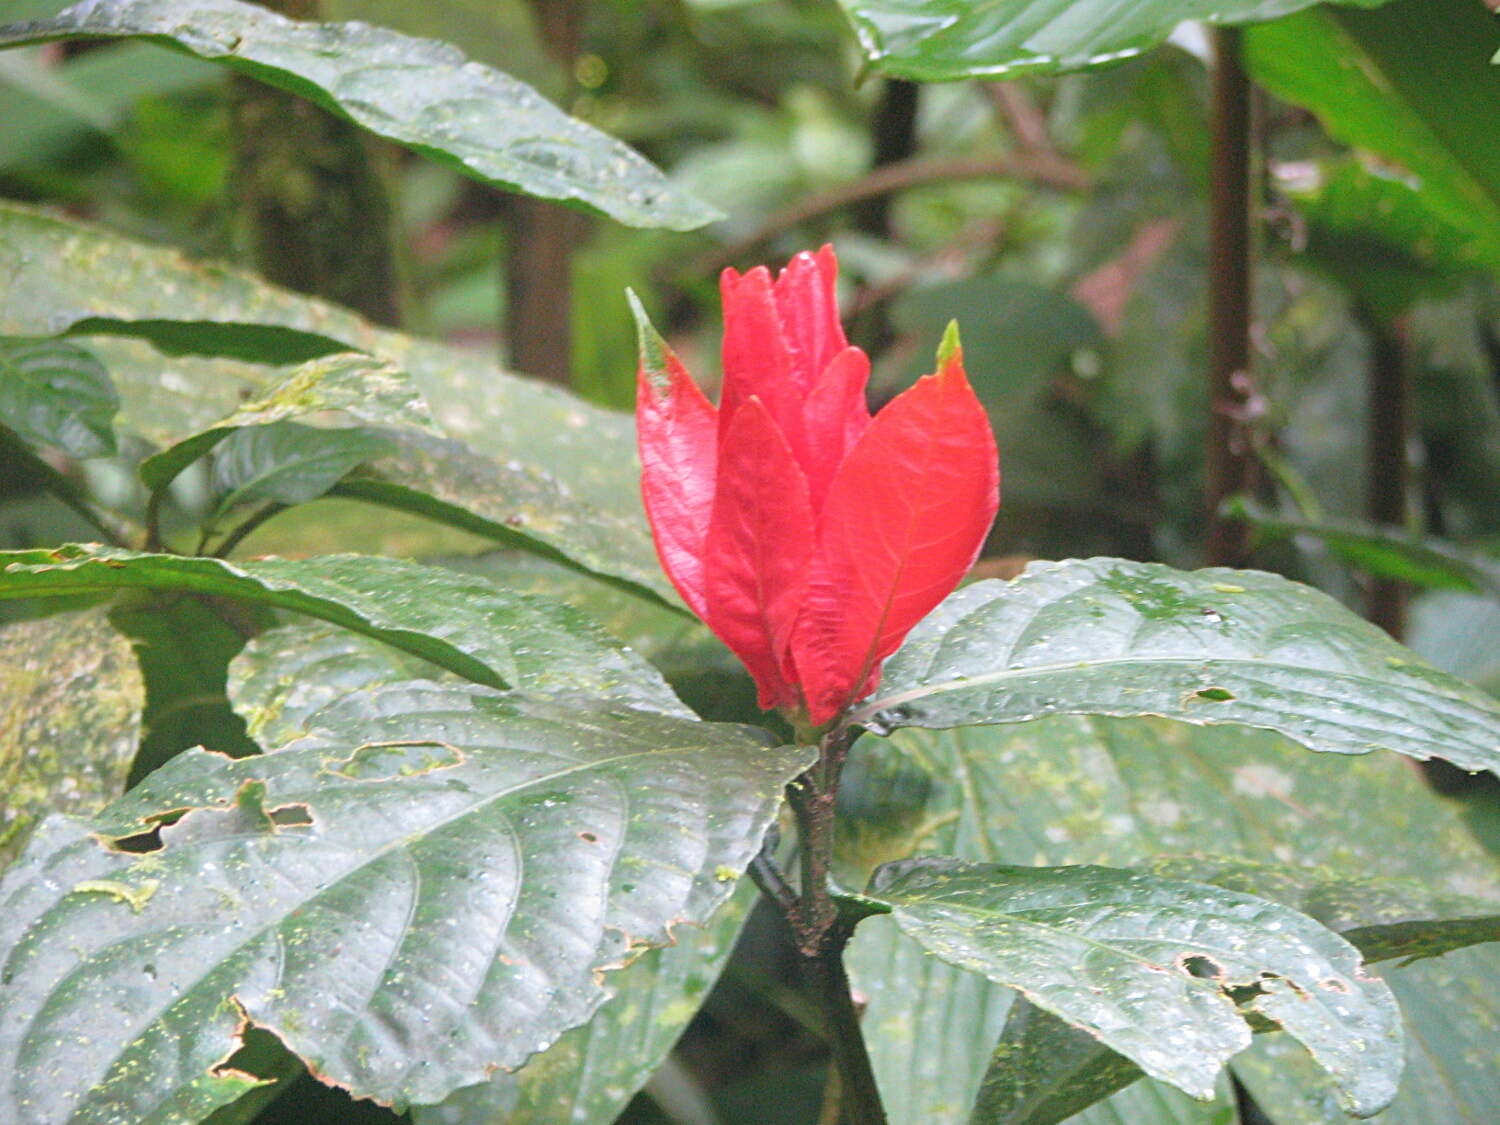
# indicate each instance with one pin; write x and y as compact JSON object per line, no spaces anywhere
{"x":1148,"y":965}
{"x":423,"y":887}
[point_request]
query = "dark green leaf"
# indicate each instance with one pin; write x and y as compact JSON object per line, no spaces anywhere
{"x":1410,"y":82}
{"x":1045,"y":1070}
{"x":1111,"y":637}
{"x":513,"y":504}
{"x":942,"y":40}
{"x":253,"y":343}
{"x":1147,"y":965}
{"x":572,"y":465}
{"x":1384,"y":552}
{"x":57,"y":394}
{"x":418,"y":92}
{"x":288,"y":463}
{"x":367,"y":389}
{"x":285,"y":676}
{"x":463,"y":623}
{"x":425,"y":887}
{"x":70,"y":695}
{"x":183,"y":644}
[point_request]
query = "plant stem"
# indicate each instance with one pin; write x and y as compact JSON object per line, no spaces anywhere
{"x":822,"y":933}
{"x":1386,"y":451}
{"x":1230,"y":463}
{"x":237,"y":536}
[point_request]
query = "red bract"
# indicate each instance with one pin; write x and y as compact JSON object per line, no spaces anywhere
{"x":809,"y":536}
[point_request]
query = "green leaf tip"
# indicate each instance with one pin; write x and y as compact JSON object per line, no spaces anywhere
{"x":653,"y":349}
{"x":950,"y":345}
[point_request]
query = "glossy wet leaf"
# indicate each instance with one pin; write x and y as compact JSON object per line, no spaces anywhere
{"x":592,"y":1072}
{"x":1124,"y":793}
{"x":363,"y":388}
{"x":942,"y":40}
{"x":425,"y":886}
{"x":1147,"y":965}
{"x":1217,"y":646}
{"x":463,"y":623}
{"x":418,"y":92}
{"x":71,"y":699}
{"x":550,"y":471}
{"x":1410,"y":82}
{"x":55,"y":393}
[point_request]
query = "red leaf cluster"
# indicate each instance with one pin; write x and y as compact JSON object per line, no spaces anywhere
{"x":809,"y":536}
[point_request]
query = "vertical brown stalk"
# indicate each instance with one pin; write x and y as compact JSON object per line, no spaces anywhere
{"x":544,"y":236}
{"x":1386,"y":467}
{"x":310,"y":199}
{"x":1230,"y":464}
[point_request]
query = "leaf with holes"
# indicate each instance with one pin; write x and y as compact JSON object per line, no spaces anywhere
{"x":1112,"y":637}
{"x":1149,"y":966}
{"x":1140,"y":793}
{"x":428,"y":885}
{"x":460,"y":622}
{"x":417,"y":92}
{"x":55,"y":393}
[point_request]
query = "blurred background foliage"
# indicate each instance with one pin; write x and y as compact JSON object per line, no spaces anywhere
{"x":1062,"y":219}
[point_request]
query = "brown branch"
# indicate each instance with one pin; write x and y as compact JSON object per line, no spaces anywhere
{"x":1045,"y":171}
{"x":1230,"y":461}
{"x":1021,"y":114}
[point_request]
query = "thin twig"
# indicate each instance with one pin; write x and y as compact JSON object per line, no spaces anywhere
{"x":1038,"y":168}
{"x":237,"y":536}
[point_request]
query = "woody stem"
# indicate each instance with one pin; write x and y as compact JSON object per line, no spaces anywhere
{"x":822,"y":933}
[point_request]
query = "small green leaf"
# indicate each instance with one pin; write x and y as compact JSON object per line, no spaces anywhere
{"x":288,"y":463}
{"x":417,"y":92}
{"x":1147,"y":965}
{"x":55,"y":393}
{"x":367,"y":389}
{"x":1111,"y":637}
{"x":1382,"y":551}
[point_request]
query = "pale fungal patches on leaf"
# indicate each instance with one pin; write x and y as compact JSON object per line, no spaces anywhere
{"x":1260,"y":780}
{"x":382,"y":761}
{"x":135,"y":896}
